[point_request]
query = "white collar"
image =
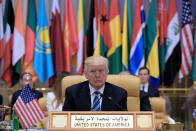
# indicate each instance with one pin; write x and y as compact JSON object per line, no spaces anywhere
{"x":145,"y":87}
{"x":92,"y":90}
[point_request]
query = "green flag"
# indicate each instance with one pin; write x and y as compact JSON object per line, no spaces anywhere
{"x":114,"y":53}
{"x":194,"y":56}
{"x":162,"y":18}
{"x":126,"y":34}
{"x":152,"y":62}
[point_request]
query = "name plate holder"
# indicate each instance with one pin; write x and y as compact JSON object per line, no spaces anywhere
{"x":104,"y":120}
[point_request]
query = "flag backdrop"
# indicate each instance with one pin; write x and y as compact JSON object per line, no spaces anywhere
{"x":114,"y":54}
{"x":152,"y":62}
{"x":162,"y":18}
{"x":1,"y":32}
{"x":144,"y":28}
{"x":70,"y":35}
{"x":186,"y":40}
{"x":137,"y":50}
{"x":105,"y":32}
{"x":18,"y":38}
{"x":28,"y":108}
{"x":8,"y":25}
{"x":30,"y":40}
{"x":98,"y":50}
{"x":194,"y":57}
{"x":56,"y":41}
{"x":13,"y":52}
{"x":42,"y":63}
{"x":91,"y":32}
{"x":173,"y":49}
{"x":82,"y":37}
{"x":103,"y":42}
{"x":126,"y":34}
{"x":18,"y":43}
{"x":129,"y":28}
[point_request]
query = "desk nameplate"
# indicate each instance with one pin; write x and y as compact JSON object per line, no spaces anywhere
{"x":102,"y":120}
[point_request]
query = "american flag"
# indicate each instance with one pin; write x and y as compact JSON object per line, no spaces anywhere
{"x":27,"y":108}
{"x":187,"y":40}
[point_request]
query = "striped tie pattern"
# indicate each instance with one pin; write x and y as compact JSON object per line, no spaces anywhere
{"x":96,"y":102}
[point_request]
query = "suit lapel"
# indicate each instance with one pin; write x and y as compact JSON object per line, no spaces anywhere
{"x":150,"y":90}
{"x":106,"y":104}
{"x":84,"y":97}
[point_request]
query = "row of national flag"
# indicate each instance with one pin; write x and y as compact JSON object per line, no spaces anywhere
{"x":158,"y":42}
{"x":44,"y":50}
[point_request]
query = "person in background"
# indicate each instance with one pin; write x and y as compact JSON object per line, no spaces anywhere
{"x":95,"y":94}
{"x":144,"y":98}
{"x":54,"y":99}
{"x":26,"y":78}
{"x":147,"y":88}
{"x":145,"y":85}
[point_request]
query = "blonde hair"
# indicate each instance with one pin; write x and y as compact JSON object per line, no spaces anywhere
{"x":95,"y":60}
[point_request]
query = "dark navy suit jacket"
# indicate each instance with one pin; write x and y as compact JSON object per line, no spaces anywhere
{"x":152,"y":91}
{"x":78,"y":98}
{"x":144,"y":101}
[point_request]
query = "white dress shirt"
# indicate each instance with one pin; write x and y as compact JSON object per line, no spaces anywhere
{"x":144,"y":87}
{"x":92,"y":90}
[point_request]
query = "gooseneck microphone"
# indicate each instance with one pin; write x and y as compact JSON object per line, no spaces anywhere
{"x":101,"y":95}
{"x":109,"y":98}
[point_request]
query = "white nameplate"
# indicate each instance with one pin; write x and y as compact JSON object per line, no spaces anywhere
{"x":101,"y":121}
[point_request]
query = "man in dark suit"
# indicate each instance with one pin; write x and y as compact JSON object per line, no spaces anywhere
{"x":26,"y":78}
{"x":95,"y":94}
{"x":145,"y":85}
{"x":144,"y":98}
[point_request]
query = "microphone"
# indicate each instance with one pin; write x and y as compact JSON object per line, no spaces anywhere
{"x":101,"y":95}
{"x":109,"y":98}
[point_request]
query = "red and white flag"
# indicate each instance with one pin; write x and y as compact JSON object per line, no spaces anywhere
{"x":186,"y":40}
{"x":18,"y":38}
{"x":28,"y":108}
{"x":56,"y":41}
{"x":6,"y":68}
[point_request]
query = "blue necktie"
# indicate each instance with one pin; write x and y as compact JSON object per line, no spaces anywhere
{"x":96,"y":102}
